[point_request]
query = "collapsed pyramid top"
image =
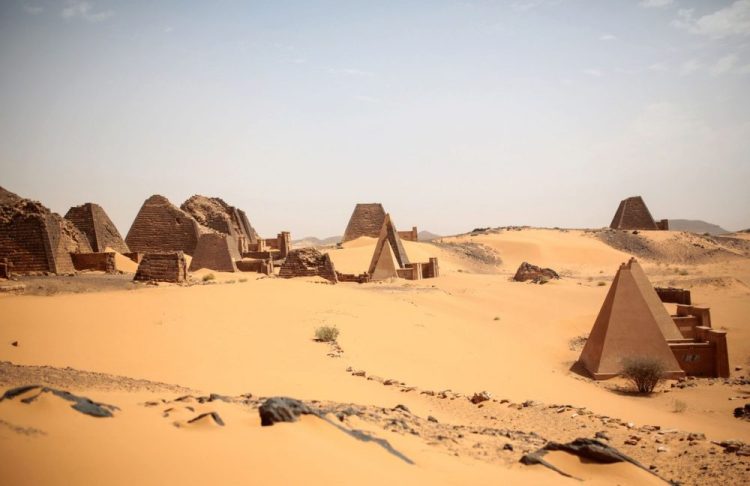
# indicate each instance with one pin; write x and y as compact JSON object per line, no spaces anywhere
{"x":633,"y":214}
{"x":92,"y":221}
{"x":216,"y":214}
{"x":632,"y":322}
{"x":366,"y":220}
{"x":388,"y":236}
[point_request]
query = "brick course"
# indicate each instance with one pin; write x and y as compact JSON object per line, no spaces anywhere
{"x":161,"y":226}
{"x":162,"y":267}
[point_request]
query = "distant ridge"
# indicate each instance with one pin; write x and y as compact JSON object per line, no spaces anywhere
{"x":315,"y":242}
{"x":427,"y":236}
{"x":696,"y":226}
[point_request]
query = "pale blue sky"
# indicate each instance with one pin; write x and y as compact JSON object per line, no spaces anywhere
{"x":453,"y":114}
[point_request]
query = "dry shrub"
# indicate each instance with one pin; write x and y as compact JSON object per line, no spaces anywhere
{"x":326,"y":334}
{"x":209,"y":277}
{"x":645,"y":373}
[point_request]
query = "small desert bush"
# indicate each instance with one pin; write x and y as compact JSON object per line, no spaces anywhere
{"x":209,"y":277}
{"x":326,"y":334}
{"x":679,"y":406}
{"x":683,"y":272}
{"x":601,"y":284}
{"x":645,"y":373}
{"x":242,"y":280}
{"x":496,"y":318}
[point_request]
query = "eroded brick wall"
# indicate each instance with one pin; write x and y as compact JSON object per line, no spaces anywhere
{"x":162,"y":267}
{"x":103,"y":262}
{"x":308,"y":262}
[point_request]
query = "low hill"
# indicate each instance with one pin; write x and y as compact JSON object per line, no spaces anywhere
{"x":315,"y":242}
{"x":696,"y":226}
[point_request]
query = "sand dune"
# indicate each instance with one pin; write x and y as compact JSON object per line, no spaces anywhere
{"x":465,"y":331}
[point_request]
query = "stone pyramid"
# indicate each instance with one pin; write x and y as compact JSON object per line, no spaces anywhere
{"x":632,"y":214}
{"x":101,"y":232}
{"x":366,"y":220}
{"x":631,"y":323}
{"x":388,"y":237}
{"x":386,"y":266}
{"x":160,"y":226}
{"x":34,"y":239}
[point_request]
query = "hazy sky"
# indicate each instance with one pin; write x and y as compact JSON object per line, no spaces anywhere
{"x":453,"y":114}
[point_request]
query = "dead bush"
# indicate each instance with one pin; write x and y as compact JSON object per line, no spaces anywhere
{"x":645,"y":373}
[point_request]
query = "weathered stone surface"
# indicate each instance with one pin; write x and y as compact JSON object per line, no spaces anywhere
{"x":162,"y":267}
{"x":216,"y":214}
{"x":282,"y":409}
{"x":34,"y":239}
{"x":101,"y":232}
{"x":536,"y":274}
{"x":80,"y":404}
{"x":366,"y":220}
{"x":160,"y":226}
{"x":216,"y":251}
{"x":308,"y":262}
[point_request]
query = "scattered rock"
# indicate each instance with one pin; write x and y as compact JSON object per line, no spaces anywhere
{"x":590,"y":449}
{"x":81,"y":404}
{"x":480,"y":397}
{"x":743,"y":412}
{"x":282,"y":409}
{"x":402,"y":407}
{"x":14,"y":344}
{"x":430,"y":418}
{"x":535,"y":274}
{"x":602,"y":435}
{"x":214,"y":416}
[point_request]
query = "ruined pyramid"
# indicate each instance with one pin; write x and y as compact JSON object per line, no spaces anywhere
{"x":366,"y":220}
{"x":632,"y":323}
{"x":633,"y":214}
{"x":101,"y":232}
{"x":160,"y":226}
{"x":34,"y":239}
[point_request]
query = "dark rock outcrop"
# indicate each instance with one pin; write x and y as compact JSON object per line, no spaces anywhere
{"x":536,"y":274}
{"x":282,"y":409}
{"x":589,"y":449}
{"x":81,"y":404}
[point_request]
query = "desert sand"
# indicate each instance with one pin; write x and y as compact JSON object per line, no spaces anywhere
{"x":427,"y":345}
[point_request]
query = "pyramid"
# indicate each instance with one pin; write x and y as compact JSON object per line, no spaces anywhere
{"x":388,"y":237}
{"x":101,"y":232}
{"x":386,"y":266}
{"x":214,"y":213}
{"x":215,"y":251}
{"x":631,"y":323}
{"x":633,"y":214}
{"x":34,"y":239}
{"x":160,"y":226}
{"x":366,"y":220}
